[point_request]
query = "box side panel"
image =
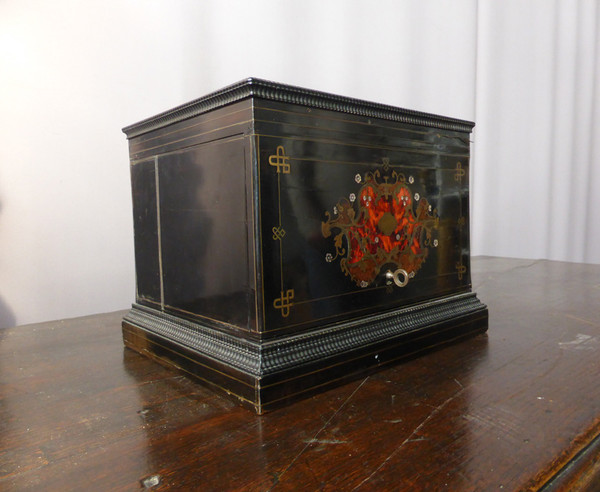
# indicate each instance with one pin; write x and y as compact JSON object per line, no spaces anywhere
{"x":204,"y":233}
{"x":347,"y":202}
{"x":194,"y":254}
{"x":145,"y":223}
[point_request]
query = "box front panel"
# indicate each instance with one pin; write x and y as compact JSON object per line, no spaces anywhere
{"x":350,"y":228}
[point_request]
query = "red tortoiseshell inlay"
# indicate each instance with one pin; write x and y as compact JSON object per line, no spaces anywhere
{"x":379,"y":226}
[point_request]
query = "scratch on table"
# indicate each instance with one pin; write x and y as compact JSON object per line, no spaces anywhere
{"x":161,"y":380}
{"x":411,"y":438}
{"x":506,"y":424}
{"x":526,"y":265}
{"x":477,"y":285}
{"x":314,"y":475}
{"x":151,"y":481}
{"x":583,"y":320}
{"x":324,"y":441}
{"x":581,"y":342}
{"x":314,"y":439}
{"x":417,"y":439}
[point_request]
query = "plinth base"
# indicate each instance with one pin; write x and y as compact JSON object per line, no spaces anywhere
{"x":268,"y":374}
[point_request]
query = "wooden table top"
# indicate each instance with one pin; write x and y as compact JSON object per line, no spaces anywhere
{"x":515,"y":409}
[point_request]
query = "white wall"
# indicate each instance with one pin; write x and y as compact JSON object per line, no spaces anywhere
{"x":73,"y":73}
{"x":408,"y":53}
{"x":537,"y":140}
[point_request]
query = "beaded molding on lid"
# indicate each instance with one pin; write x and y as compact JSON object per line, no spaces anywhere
{"x":253,"y":87}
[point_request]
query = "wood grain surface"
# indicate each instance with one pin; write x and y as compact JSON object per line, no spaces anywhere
{"x":515,"y":409}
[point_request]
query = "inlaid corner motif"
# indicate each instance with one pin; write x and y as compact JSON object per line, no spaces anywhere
{"x":280,"y":161}
{"x":285,"y":302}
{"x":384,"y":223}
{"x":459,"y":172}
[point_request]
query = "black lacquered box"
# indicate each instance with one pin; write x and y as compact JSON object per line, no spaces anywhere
{"x":287,"y":240}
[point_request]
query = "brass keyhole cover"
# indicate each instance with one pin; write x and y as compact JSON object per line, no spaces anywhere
{"x":396,"y":277}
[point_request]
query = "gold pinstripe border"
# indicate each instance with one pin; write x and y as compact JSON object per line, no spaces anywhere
{"x":196,"y":135}
{"x":365,"y":146}
{"x":183,"y":128}
{"x":441,"y":132}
